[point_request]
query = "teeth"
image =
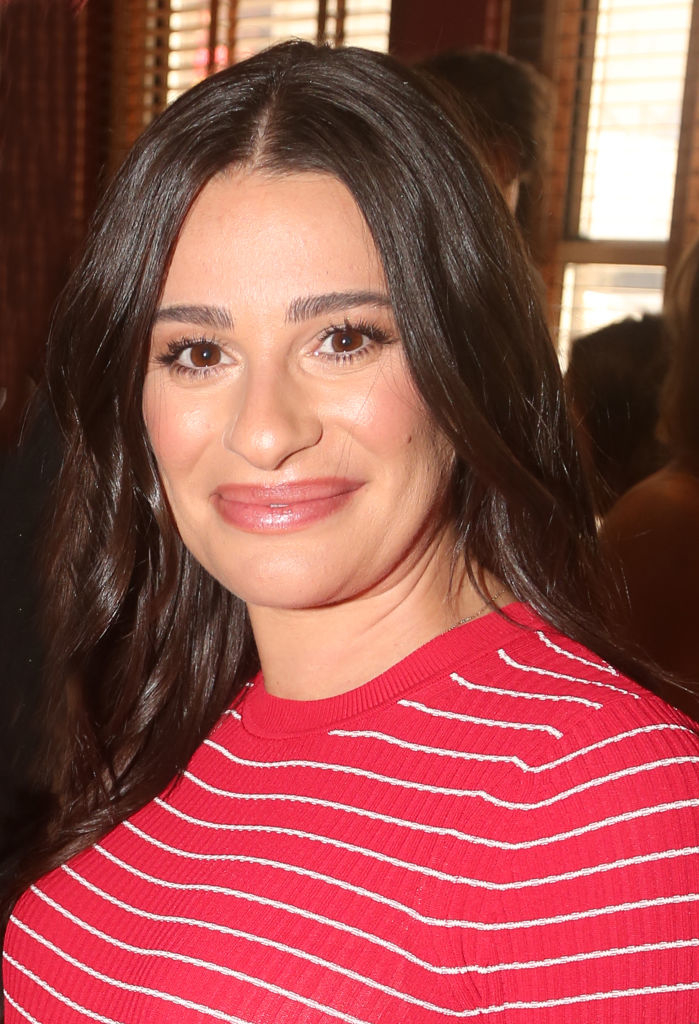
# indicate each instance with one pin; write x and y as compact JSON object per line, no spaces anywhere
{"x":278,"y":506}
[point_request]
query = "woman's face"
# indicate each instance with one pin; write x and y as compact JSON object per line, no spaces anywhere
{"x":299,"y":463}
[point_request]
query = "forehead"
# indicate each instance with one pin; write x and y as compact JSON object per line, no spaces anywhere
{"x":257,"y":237}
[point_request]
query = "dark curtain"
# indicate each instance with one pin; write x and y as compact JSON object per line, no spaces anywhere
{"x":54,"y":119}
{"x":38,"y":148}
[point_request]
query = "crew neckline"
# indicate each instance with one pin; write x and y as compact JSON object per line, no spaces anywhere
{"x":266,"y":715}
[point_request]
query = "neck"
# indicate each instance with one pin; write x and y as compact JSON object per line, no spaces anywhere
{"x":311,"y":653}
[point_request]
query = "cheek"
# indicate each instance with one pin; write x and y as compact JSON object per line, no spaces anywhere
{"x":430,"y":461}
{"x":178,"y":429}
{"x":393,"y":422}
{"x":384,"y":413}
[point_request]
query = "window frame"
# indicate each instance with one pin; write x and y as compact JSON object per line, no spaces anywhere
{"x":575,"y":23}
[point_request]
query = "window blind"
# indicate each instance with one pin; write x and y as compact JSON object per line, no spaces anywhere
{"x":206,"y":35}
{"x":159,"y":48}
{"x":633,"y":119}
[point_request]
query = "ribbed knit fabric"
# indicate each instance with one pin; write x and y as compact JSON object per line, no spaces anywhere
{"x":498,"y":827}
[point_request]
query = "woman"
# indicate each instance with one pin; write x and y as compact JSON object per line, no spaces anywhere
{"x":314,"y":434}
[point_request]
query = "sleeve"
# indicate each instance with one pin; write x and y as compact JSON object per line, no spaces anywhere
{"x":593,"y":914}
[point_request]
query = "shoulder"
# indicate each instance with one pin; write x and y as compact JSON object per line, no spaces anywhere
{"x":533,"y":661}
{"x":592,"y":757}
{"x":566,"y":696}
{"x":651,"y":537}
{"x":661,"y":504}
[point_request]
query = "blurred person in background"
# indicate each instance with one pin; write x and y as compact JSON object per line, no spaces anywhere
{"x":613,"y":380}
{"x":652,"y":531}
{"x":509,"y":104}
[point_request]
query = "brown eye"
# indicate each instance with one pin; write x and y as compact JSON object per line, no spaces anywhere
{"x":348,"y":340}
{"x":203,"y":354}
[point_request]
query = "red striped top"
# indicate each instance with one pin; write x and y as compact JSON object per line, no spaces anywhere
{"x":498,"y":827}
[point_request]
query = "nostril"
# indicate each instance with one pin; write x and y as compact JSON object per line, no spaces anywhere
{"x":269,"y":429}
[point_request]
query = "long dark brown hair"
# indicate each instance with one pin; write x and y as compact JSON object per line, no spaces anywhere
{"x":145,"y":648}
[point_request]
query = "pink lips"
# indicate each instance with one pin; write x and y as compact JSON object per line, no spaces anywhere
{"x":282,"y":507}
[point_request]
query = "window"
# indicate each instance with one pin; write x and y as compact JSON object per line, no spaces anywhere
{"x":633,"y":119}
{"x":627,"y":98}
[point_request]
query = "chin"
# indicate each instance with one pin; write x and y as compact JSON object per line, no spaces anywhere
{"x":288,"y":595}
{"x":291,"y":582}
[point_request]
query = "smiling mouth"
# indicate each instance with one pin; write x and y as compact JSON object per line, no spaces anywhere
{"x":284,"y":507}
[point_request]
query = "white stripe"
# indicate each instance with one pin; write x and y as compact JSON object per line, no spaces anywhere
{"x":21,"y":1010}
{"x":233,"y":713}
{"x":385,"y":900}
{"x":564,"y":1001}
{"x":595,"y":869}
{"x":568,"y":1000}
{"x":291,"y":869}
{"x":239,"y":975}
{"x":455,"y":716}
{"x":313,"y":837}
{"x":421,"y":748}
{"x":584,"y":915}
{"x":517,"y":761}
{"x":370,"y":937}
{"x":609,"y":740}
{"x":601,"y":666}
{"x":586,"y":998}
{"x":55,"y":993}
{"x":280,"y":905}
{"x":562,"y":675}
{"x":265,"y":901}
{"x":496,"y":844}
{"x":524,"y":694}
{"x":321,"y":962}
{"x":597,"y":954}
{"x":349,"y":770}
{"x":141,"y":989}
{"x":420,"y":869}
{"x":448,"y":791}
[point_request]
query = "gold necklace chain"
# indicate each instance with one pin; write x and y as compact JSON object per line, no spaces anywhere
{"x":479,"y":611}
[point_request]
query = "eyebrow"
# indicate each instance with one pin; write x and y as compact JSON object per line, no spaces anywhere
{"x":304,"y":308}
{"x":202,"y":316}
{"x":332,"y":302}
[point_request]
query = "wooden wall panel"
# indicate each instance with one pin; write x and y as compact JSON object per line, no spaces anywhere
{"x":420,"y":28}
{"x":38,"y":58}
{"x":54,"y":126}
{"x":685,"y":213}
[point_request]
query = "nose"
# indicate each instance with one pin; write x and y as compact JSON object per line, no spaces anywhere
{"x":272,"y":419}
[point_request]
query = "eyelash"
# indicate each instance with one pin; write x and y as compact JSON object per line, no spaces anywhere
{"x":175,"y":350}
{"x":374,"y":333}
